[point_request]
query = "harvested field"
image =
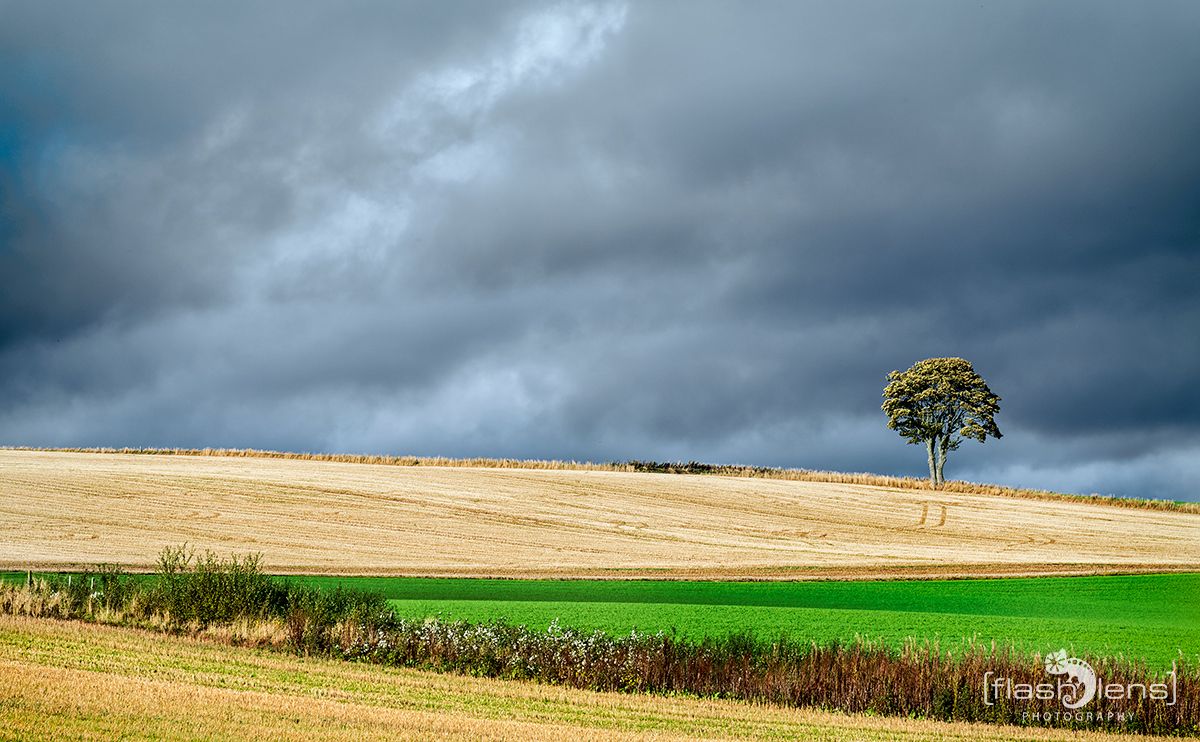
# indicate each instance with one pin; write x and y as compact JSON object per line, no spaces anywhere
{"x":60,"y":509}
{"x":692,"y":467}
{"x":77,"y":681}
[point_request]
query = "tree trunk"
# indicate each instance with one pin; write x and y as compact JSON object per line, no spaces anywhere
{"x":931,"y":447}
{"x":943,"y":452}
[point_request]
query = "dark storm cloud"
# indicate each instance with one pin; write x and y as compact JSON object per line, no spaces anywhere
{"x":599,"y":231}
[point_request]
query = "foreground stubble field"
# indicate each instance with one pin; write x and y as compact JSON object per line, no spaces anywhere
{"x":80,"y":681}
{"x":60,"y":509}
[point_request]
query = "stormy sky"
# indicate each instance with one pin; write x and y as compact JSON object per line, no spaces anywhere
{"x":605,"y":230}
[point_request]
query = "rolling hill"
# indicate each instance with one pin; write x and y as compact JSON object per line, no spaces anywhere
{"x":60,"y":509}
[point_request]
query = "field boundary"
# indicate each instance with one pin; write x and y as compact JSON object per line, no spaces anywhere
{"x":652,"y":467}
{"x":899,"y":573}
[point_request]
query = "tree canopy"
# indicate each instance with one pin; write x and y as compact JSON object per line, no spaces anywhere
{"x":940,"y":402}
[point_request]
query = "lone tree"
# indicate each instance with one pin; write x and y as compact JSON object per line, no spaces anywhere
{"x":938,"y":402}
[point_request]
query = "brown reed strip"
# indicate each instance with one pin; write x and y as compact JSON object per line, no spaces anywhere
{"x":919,"y":681}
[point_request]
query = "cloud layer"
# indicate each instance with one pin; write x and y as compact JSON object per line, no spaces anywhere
{"x":605,"y":231}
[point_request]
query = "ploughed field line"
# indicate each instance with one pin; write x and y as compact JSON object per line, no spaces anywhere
{"x":60,"y":509}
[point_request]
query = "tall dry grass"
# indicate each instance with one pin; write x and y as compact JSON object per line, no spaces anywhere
{"x":691,"y":467}
{"x":919,"y":681}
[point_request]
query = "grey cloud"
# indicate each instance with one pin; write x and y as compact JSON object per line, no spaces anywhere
{"x":592,"y":230}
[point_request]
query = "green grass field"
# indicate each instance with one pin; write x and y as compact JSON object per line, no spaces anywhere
{"x":1148,"y":617}
{"x":1151,"y":617}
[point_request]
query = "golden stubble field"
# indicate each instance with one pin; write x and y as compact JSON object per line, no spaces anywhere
{"x":59,"y":509}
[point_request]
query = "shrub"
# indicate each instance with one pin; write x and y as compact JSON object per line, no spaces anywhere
{"x":320,"y":620}
{"x":208,"y":589}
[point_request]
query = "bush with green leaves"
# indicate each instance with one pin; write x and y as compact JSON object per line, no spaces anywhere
{"x":207,"y":589}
